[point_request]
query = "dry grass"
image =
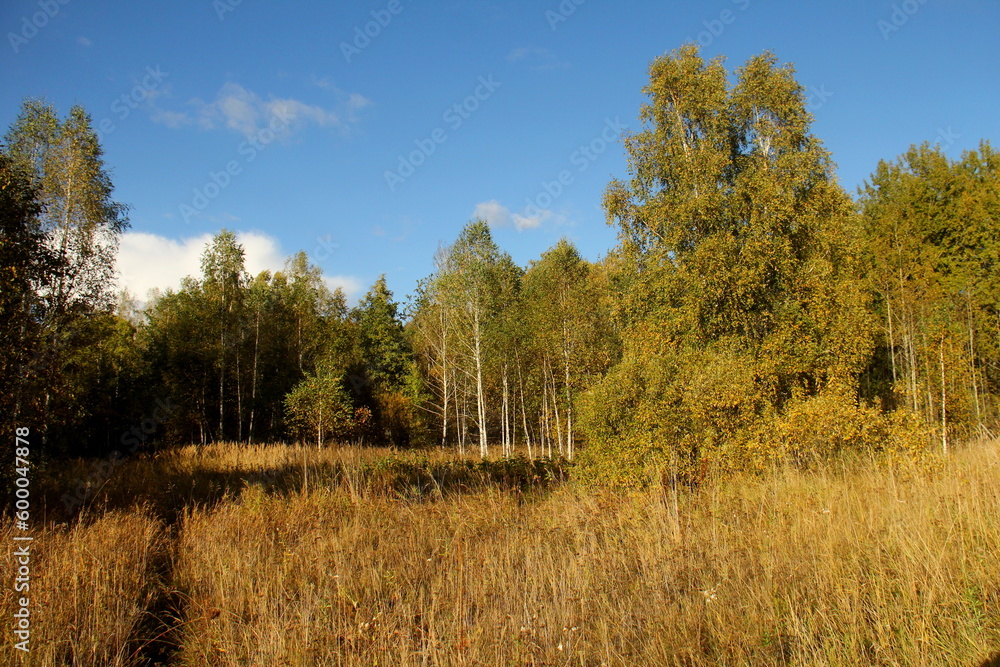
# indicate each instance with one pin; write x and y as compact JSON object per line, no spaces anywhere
{"x":855,"y":565}
{"x":169,"y":482}
{"x":90,"y":588}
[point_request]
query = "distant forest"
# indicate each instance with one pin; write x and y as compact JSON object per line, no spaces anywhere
{"x":752,"y":311}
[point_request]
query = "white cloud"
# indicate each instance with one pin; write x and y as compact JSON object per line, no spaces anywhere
{"x":520,"y":53}
{"x":352,"y":286}
{"x":357,"y":101}
{"x":235,"y":107}
{"x":242,"y":110}
{"x":493,"y":212}
{"x":353,"y":101}
{"x":84,"y":42}
{"x":522,"y":222}
{"x":498,"y":215}
{"x":147,"y":261}
{"x":262,"y":252}
{"x":172,"y":119}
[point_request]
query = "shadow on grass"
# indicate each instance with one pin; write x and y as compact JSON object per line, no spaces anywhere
{"x":992,"y":661}
{"x":166,"y":485}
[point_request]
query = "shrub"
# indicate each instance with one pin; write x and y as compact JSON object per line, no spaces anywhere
{"x":320,"y":408}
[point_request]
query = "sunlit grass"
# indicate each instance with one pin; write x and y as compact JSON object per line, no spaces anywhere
{"x":853,"y":564}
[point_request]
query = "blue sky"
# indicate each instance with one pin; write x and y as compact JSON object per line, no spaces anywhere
{"x":282,"y":120}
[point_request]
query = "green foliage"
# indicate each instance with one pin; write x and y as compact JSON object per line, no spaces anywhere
{"x":62,"y":355}
{"x":310,"y":306}
{"x":382,"y":342}
{"x":742,"y":290}
{"x":380,"y":369}
{"x":752,"y":314}
{"x":568,"y":336}
{"x":461,"y":334}
{"x":319,"y":407}
{"x":931,"y":228}
{"x":505,"y":352}
{"x":65,"y":162}
{"x":27,"y":265}
{"x":229,"y":349}
{"x":179,"y":348}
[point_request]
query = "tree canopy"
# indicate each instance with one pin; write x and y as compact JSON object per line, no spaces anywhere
{"x":752,"y":311}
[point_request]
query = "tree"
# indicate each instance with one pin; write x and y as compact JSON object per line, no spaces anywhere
{"x":80,"y":218}
{"x":79,"y":224}
{"x":432,"y":342}
{"x":479,"y":275}
{"x":741,"y":289}
{"x":28,"y":266}
{"x":224,"y":287}
{"x":310,"y":302}
{"x":260,"y":297}
{"x":182,"y":354}
{"x":381,"y":338}
{"x":319,"y":406}
{"x":459,"y":325}
{"x":385,"y":356}
{"x":567,"y":318}
{"x":229,"y":350}
{"x":931,"y":229}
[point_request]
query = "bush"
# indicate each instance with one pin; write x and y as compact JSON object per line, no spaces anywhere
{"x":320,"y":408}
{"x":686,"y":415}
{"x":817,"y":429}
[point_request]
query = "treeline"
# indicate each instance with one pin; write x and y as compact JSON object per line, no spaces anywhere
{"x":274,"y":356}
{"x":764,"y":314}
{"x":489,"y":357}
{"x":752,"y":310}
{"x":932,"y":230}
{"x":502,"y":354}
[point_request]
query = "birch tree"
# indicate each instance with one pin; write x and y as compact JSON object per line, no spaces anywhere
{"x":741,"y":289}
{"x":80,"y":224}
{"x":28,"y":266}
{"x":931,"y":229}
{"x":225,"y":282}
{"x":564,"y":313}
{"x":458,"y":324}
{"x":80,"y":218}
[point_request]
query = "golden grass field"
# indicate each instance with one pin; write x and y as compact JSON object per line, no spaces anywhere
{"x":287,"y":556}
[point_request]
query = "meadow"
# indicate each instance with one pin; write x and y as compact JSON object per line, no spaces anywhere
{"x":276,"y":555}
